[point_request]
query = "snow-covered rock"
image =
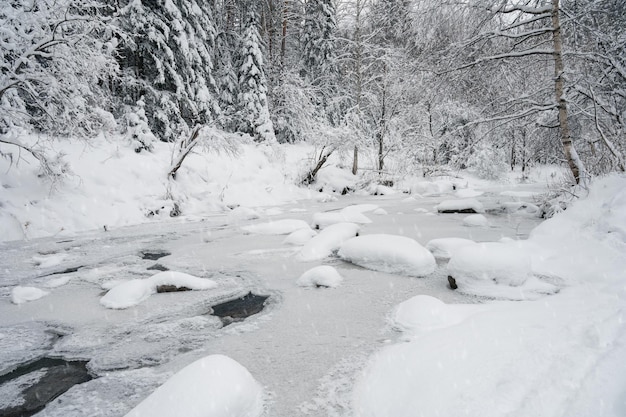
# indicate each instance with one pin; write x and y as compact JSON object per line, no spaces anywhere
{"x":320,"y":276}
{"x":476,"y":220}
{"x":214,"y":386}
{"x":20,"y":295}
{"x":468,"y":193}
{"x":135,"y":291}
{"x":463,"y":205}
{"x":299,"y":237}
{"x":327,"y":241}
{"x":501,"y":263}
{"x":389,"y":253}
{"x":278,"y":227}
{"x":244,"y":213}
{"x":427,"y":188}
{"x":443,"y":248}
{"x":380,"y":212}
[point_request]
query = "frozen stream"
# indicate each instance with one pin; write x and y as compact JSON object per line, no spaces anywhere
{"x":305,"y":347}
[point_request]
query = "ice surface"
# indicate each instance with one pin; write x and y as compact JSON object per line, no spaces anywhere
{"x":444,"y":247}
{"x":327,"y":241}
{"x":133,"y":292}
{"x":214,"y":386}
{"x":277,"y":227}
{"x":320,"y":276}
{"x":389,"y":253}
{"x":20,"y":295}
{"x":47,"y":261}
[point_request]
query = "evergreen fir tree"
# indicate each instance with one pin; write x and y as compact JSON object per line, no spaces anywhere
{"x":253,"y":105}
{"x":318,"y":46}
{"x":167,"y":59}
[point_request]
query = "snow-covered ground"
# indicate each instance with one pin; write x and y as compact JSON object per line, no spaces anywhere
{"x":534,"y":329}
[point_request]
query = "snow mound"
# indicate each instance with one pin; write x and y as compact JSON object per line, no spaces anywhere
{"x":320,"y":276}
{"x":322,"y":220}
{"x":278,"y":227}
{"x":331,"y":179}
{"x":380,"y":212}
{"x":300,"y":237}
{"x":521,"y":207}
{"x":327,"y":241}
{"x":389,"y":253}
{"x":324,"y":198}
{"x":130,"y":293}
{"x":21,"y":295}
{"x":443,"y":248}
{"x":476,"y":220}
{"x":501,"y":263}
{"x":463,"y":205}
{"x":214,"y":386}
{"x":427,"y":188}
{"x":423,"y":313}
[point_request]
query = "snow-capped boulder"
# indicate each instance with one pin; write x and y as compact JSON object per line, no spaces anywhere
{"x":214,"y":386}
{"x":300,"y":237}
{"x":320,"y":276}
{"x":462,"y":205}
{"x":389,"y":253}
{"x":132,"y":292}
{"x":501,"y":263}
{"x":327,"y":241}
{"x":443,"y":248}
{"x":476,"y":220}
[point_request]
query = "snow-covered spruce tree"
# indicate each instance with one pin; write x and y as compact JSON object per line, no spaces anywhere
{"x":318,"y":42}
{"x":166,"y":59}
{"x":252,"y":99}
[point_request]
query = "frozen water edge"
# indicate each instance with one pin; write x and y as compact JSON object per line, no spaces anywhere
{"x":291,"y":348}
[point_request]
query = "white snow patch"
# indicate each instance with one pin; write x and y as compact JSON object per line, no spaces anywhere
{"x":47,"y":261}
{"x":423,"y":313}
{"x":443,"y":248}
{"x":57,"y":282}
{"x":20,"y":295}
{"x":380,"y":212}
{"x":476,"y":220}
{"x":389,"y":253}
{"x":278,"y":227}
{"x":320,"y":276}
{"x":132,"y":292}
{"x":244,"y":213}
{"x":324,"y":198}
{"x":460,"y":204}
{"x":214,"y":386}
{"x":327,"y":241}
{"x":520,"y":194}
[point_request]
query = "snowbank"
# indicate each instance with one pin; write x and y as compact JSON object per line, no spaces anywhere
{"x":327,"y":241}
{"x":389,"y":253}
{"x":300,"y":237}
{"x":214,"y":386}
{"x":561,"y":355}
{"x":130,"y":293}
{"x":320,"y":276}
{"x":347,"y":215}
{"x":110,"y":185}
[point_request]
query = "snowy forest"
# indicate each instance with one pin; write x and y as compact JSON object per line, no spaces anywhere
{"x":312,"y":208}
{"x":441,"y":83}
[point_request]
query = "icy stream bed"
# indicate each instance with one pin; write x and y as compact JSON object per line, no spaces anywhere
{"x":305,"y":347}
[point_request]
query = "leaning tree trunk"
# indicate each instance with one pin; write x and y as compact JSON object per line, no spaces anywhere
{"x":575,"y":164}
